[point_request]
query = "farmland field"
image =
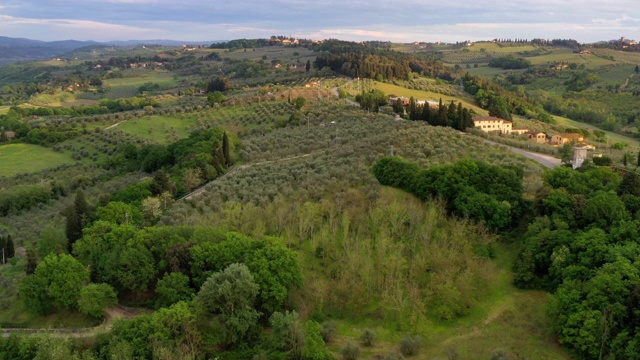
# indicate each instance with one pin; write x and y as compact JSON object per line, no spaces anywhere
{"x":424,"y":95}
{"x":613,"y":137}
{"x":26,"y":158}
{"x":160,"y":129}
{"x":128,"y":86}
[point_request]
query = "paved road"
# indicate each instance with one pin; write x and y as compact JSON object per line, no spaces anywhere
{"x":336,"y":93}
{"x":545,"y":160}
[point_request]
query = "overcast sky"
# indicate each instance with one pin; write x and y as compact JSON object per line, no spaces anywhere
{"x":402,"y":21}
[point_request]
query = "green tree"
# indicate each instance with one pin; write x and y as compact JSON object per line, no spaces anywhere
{"x":604,"y":209}
{"x":216,"y":97}
{"x":77,"y":216}
{"x":10,"y":247}
{"x":276,"y":270}
{"x":32,"y":261}
{"x":637,"y":69}
{"x":95,"y":298}
{"x":566,"y":153}
{"x":288,"y":334}
{"x":33,"y":292}
{"x":172,"y":288}
{"x":52,"y":240}
{"x":221,"y":84}
{"x":161,"y":183}
{"x":299,"y":102}
{"x":226,"y":150}
{"x":630,"y":184}
{"x":131,"y":267}
{"x":57,"y":280}
{"x":307,"y":67}
{"x":120,"y":213}
{"x":231,"y":293}
{"x":441,"y":117}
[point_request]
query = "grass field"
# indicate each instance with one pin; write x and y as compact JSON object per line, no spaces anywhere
{"x":613,"y":137}
{"x":4,"y":109}
{"x":424,"y":95}
{"x":134,"y":78}
{"x":159,"y":129}
{"x":509,"y":319}
{"x":490,"y":46}
{"x":26,"y":158}
{"x":281,"y":53}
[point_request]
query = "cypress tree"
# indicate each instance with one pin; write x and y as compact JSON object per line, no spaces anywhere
{"x":452,"y":115}
{"x":308,"y":66}
{"x":225,"y":150}
{"x":441,"y":117}
{"x":73,"y":228}
{"x":3,"y":245}
{"x":426,"y":113}
{"x":32,"y":262}
{"x":10,"y":252}
{"x":413,"y":111}
{"x":81,"y":206}
{"x":161,"y":182}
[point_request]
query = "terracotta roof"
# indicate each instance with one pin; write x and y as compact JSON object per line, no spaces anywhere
{"x":486,"y":118}
{"x":571,"y":135}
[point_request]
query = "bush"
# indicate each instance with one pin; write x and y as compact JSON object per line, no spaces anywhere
{"x":499,"y":354}
{"x":602,"y":161}
{"x":410,"y":345}
{"x":351,"y":351}
{"x":329,"y":330}
{"x":367,"y":337}
{"x":393,"y":356}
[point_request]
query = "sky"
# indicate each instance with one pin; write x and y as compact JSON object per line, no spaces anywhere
{"x":357,"y":20}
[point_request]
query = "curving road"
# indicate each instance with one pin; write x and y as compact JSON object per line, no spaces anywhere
{"x":545,"y":160}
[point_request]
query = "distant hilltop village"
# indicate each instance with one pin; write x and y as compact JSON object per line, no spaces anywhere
{"x":622,"y":43}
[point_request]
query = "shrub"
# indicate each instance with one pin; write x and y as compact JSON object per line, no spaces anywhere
{"x":410,"y":345}
{"x":351,"y":351}
{"x":393,"y":356}
{"x":329,"y":330}
{"x":367,"y":337}
{"x":499,"y":354}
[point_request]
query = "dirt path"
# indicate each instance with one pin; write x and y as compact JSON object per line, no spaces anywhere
{"x":117,"y":312}
{"x":114,"y":125}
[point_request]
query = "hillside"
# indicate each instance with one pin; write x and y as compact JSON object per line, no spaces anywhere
{"x":233,"y":203}
{"x":591,"y":84}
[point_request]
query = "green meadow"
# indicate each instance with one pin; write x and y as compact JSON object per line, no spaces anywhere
{"x":159,"y":129}
{"x":390,"y":89}
{"x":27,"y":158}
{"x":128,"y":85}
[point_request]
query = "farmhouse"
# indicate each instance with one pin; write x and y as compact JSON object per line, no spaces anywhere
{"x":432,"y":104}
{"x":519,"y":130}
{"x":8,"y":135}
{"x":561,"y":139}
{"x":491,"y":123}
{"x":538,"y":137}
{"x":393,"y":100}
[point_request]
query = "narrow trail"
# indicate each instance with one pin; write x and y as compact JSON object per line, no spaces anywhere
{"x":114,"y":125}
{"x":111,"y":315}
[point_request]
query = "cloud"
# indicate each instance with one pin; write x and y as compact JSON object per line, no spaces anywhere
{"x":455,"y":20}
{"x":71,"y":28}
